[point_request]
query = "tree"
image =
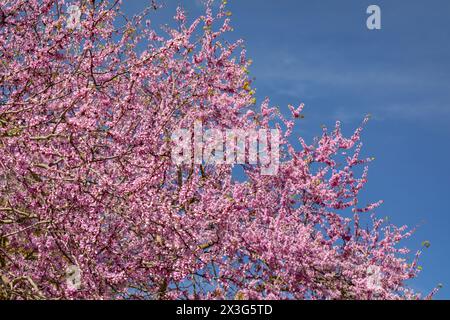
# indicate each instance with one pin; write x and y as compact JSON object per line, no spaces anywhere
{"x":87,"y":179}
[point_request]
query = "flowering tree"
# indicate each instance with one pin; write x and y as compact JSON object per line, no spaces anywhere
{"x":88,"y":101}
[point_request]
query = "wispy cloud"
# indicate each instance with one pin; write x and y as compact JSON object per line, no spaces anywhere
{"x":380,"y":90}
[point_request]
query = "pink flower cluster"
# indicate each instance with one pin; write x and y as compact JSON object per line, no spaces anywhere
{"x":86,"y":177}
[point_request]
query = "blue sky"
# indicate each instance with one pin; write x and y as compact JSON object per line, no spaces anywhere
{"x":321,"y":53}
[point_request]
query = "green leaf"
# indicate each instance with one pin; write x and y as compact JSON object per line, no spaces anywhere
{"x":426,"y":244}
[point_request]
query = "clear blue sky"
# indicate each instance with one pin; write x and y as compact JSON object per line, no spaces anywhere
{"x":321,"y":53}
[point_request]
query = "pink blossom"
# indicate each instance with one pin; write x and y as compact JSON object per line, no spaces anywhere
{"x":86,"y":177}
